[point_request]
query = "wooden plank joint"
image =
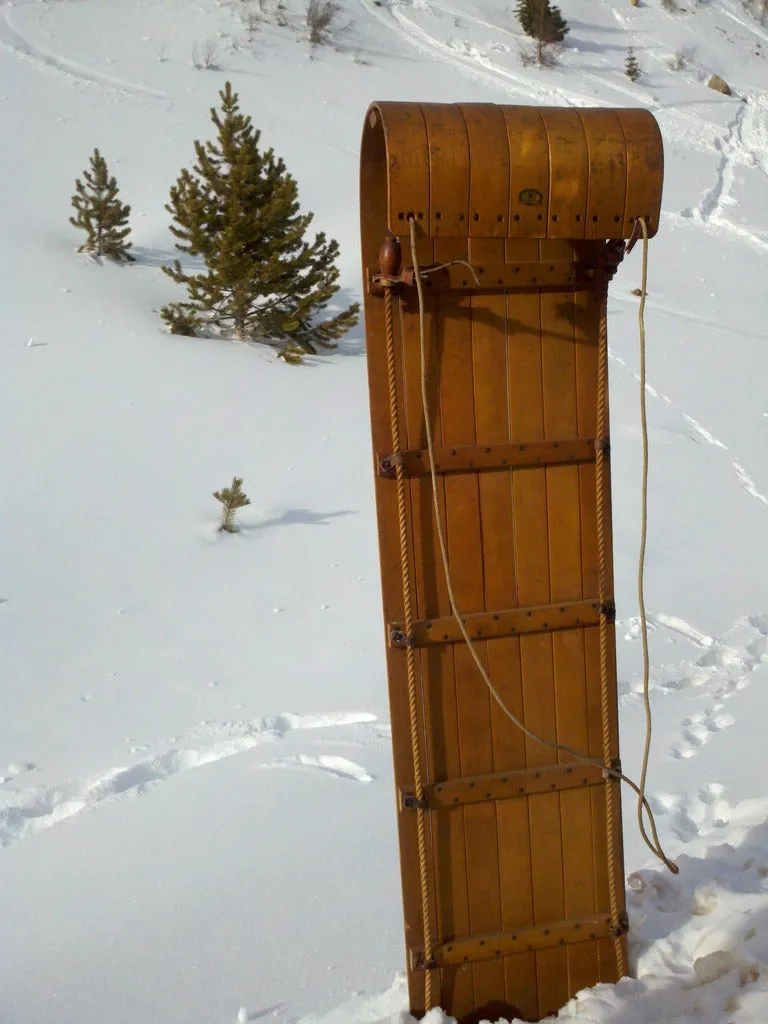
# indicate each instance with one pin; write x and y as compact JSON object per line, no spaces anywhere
{"x":469,"y":457}
{"x":492,"y":625}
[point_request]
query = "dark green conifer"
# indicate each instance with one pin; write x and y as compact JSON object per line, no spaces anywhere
{"x":542,"y":20}
{"x":632,"y":68}
{"x":238,"y":209}
{"x":100,"y":213}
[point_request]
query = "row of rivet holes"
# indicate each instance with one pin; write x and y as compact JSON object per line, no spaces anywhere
{"x":500,"y":218}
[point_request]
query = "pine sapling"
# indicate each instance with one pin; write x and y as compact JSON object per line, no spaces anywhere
{"x":632,"y":69}
{"x":100,"y":213}
{"x":231,"y":498}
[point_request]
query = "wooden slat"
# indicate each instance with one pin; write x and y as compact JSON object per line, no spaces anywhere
{"x":526,"y":417}
{"x":608,"y":166}
{"x":565,"y":530}
{"x":453,"y":346}
{"x":462,"y":521}
{"x":373,"y":220}
{"x":467,"y":457}
{"x":489,"y":351}
{"x":407,"y":177}
{"x":645,"y":169}
{"x":528,"y":176}
{"x":488,"y":348}
{"x":489,"y":171}
{"x":568,"y":174}
{"x":538,"y":937}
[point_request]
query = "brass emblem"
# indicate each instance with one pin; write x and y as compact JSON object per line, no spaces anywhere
{"x":531,"y":197}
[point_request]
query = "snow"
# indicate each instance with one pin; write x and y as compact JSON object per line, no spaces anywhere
{"x":196,"y":788}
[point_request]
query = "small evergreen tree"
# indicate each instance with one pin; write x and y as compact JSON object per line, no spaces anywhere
{"x":632,"y":69}
{"x":100,"y":213}
{"x":231,"y":498}
{"x":542,"y":20}
{"x":238,"y":209}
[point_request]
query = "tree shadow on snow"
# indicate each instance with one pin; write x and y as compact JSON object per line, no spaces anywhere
{"x":296,"y":516}
{"x":163,"y":258}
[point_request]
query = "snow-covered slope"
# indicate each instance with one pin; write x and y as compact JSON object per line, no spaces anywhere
{"x":195,"y":781}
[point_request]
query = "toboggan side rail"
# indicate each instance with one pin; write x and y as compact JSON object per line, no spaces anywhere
{"x":537,"y":200}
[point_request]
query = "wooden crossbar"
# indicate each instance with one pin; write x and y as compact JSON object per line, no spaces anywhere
{"x":505,"y":785}
{"x":553,"y":274}
{"x":538,"y":937}
{"x":470,"y":457}
{"x":492,"y":625}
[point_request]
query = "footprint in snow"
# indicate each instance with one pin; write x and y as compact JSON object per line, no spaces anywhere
{"x":699,"y":814}
{"x":697,"y":729}
{"x":341,"y":767}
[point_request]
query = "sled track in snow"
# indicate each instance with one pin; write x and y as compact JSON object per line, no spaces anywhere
{"x":745,"y":480}
{"x":468,"y":58}
{"x":12,"y":40}
{"x":734,"y":150}
{"x":26,"y":812}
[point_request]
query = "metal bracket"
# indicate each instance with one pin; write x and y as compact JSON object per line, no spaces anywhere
{"x":410,"y":802}
{"x":389,"y":463}
{"x":607,"y":263}
{"x":614,"y":772}
{"x":399,"y":638}
{"x":621,"y":927}
{"x":603,"y":445}
{"x":420,"y":963}
{"x":608,"y":609}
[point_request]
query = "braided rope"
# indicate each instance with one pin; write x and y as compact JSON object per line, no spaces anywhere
{"x":410,"y":653}
{"x":605,"y":675}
